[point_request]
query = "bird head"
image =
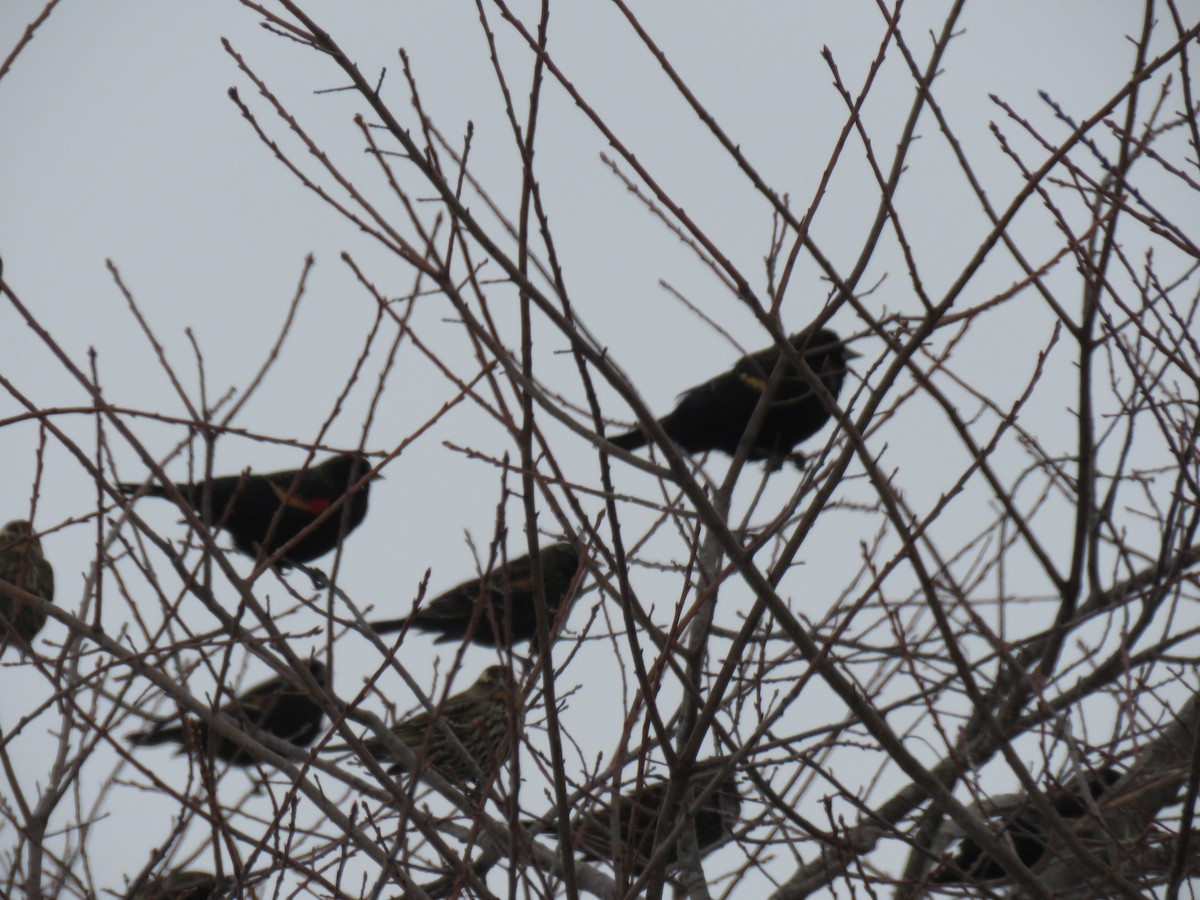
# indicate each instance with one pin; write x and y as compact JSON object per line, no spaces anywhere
{"x":494,"y":681}
{"x":347,"y":468}
{"x":562,"y":556}
{"x":17,"y":536}
{"x":318,"y":671}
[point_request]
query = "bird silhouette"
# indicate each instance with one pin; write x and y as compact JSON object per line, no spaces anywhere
{"x":281,"y":504}
{"x":278,"y":706}
{"x":22,"y":565}
{"x":714,"y":415}
{"x":498,"y":609}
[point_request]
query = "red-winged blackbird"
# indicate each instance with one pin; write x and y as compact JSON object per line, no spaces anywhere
{"x":638,"y":812}
{"x":497,"y":609}
{"x":22,"y":565}
{"x":246,"y":505}
{"x":479,"y":717}
{"x":1026,"y":830}
{"x":277,"y":706}
{"x":714,"y":415}
{"x":183,"y":885}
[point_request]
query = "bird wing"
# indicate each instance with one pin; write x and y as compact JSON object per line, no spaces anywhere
{"x":160,"y":731}
{"x":714,"y":385}
{"x":294,"y":498}
{"x":454,"y":605}
{"x":255,"y":704}
{"x":460,"y":601}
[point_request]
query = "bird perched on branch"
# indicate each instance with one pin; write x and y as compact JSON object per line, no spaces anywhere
{"x":1026,"y":830}
{"x":486,"y":718}
{"x":638,"y":813}
{"x":23,"y":566}
{"x":247,"y":505}
{"x":279,"y":706}
{"x":497,"y":609}
{"x":183,"y":885}
{"x":714,"y":415}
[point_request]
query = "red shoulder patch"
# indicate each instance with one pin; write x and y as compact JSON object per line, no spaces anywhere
{"x":316,"y":505}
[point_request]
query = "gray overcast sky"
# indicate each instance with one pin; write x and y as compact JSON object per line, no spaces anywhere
{"x":118,"y":141}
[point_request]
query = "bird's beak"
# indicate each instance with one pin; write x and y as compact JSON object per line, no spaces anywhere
{"x":850,"y":354}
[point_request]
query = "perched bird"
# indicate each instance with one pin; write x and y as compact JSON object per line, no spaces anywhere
{"x":277,"y":706}
{"x":497,"y":609}
{"x":1026,"y":831}
{"x":183,"y":885}
{"x":246,"y":505}
{"x":638,"y":812}
{"x":22,"y":565}
{"x":714,"y":415}
{"x":486,"y":718}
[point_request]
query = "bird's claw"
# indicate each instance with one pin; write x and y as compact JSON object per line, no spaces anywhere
{"x":320,"y":580}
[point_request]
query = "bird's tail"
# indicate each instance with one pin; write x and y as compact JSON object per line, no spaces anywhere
{"x":630,"y":440}
{"x":388,"y":626}
{"x":372,"y":745}
{"x":153,"y":736}
{"x":540,"y":826}
{"x":129,"y":488}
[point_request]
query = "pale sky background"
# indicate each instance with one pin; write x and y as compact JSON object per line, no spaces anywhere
{"x":118,"y":141}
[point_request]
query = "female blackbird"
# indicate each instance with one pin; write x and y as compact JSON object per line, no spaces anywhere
{"x":246,"y":505}
{"x":497,"y":609}
{"x":278,"y":706}
{"x":183,"y":885}
{"x":479,"y":717}
{"x":1026,"y":830}
{"x":638,"y":812}
{"x":714,"y":415}
{"x":22,"y":565}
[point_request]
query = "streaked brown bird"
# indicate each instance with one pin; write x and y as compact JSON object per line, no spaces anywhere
{"x":638,"y":812}
{"x":486,"y":718}
{"x":23,"y":566}
{"x":246,"y":505}
{"x":714,"y":415}
{"x":498,"y":609}
{"x":183,"y":885}
{"x":1026,"y":830}
{"x":277,"y":706}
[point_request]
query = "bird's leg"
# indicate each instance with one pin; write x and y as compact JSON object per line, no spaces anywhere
{"x":320,"y":580}
{"x":773,"y":462}
{"x":797,"y":459}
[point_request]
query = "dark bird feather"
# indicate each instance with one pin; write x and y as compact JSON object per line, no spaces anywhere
{"x":498,"y":609}
{"x":1026,"y":831}
{"x":278,"y":706}
{"x":638,"y":813}
{"x":246,"y":505}
{"x":22,"y":565}
{"x":714,"y":415}
{"x":486,"y":718}
{"x":183,"y":885}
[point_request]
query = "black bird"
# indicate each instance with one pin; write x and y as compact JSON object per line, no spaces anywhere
{"x":714,"y":415}
{"x":246,"y":505}
{"x":183,"y":885}
{"x":277,"y":706}
{"x":22,"y":565}
{"x":481,"y":717}
{"x":638,"y":812}
{"x":1026,"y":830}
{"x":497,"y":609}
